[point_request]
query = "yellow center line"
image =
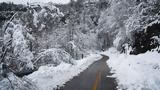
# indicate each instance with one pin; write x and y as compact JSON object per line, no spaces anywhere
{"x":98,"y":78}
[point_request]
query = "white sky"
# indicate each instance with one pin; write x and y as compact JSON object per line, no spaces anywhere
{"x":31,"y":1}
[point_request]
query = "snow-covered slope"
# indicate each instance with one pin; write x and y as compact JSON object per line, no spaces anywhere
{"x":45,"y":37}
{"x":124,"y":18}
{"x":50,"y":78}
{"x":44,"y":27}
{"x":135,"y":72}
{"x":23,"y":31}
{"x":15,"y":83}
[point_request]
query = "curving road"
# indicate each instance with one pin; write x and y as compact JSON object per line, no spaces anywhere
{"x":93,"y":78}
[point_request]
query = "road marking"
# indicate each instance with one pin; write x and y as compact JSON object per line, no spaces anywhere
{"x":98,"y":78}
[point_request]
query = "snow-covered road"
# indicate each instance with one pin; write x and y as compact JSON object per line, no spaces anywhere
{"x":93,"y":78}
{"x":49,"y":77}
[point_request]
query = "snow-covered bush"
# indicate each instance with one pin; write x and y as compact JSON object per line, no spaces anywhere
{"x":17,"y":42}
{"x":53,"y":57}
{"x":15,"y":83}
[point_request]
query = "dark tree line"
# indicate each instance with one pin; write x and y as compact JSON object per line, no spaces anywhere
{"x":144,"y":40}
{"x":12,"y":7}
{"x":8,"y":9}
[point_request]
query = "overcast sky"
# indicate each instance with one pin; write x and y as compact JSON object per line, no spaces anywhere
{"x":31,"y":1}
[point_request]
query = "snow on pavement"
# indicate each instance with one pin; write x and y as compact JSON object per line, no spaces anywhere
{"x":135,"y":72}
{"x":48,"y":77}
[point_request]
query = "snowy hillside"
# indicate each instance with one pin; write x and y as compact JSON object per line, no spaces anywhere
{"x":46,"y":76}
{"x":125,"y":18}
{"x":43,"y":35}
{"x":50,"y":43}
{"x":140,"y":72}
{"x":21,"y":31}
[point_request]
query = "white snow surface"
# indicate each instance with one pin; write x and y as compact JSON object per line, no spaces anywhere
{"x":49,"y":77}
{"x":135,"y":72}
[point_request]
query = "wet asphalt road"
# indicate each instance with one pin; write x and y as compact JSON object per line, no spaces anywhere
{"x":93,"y":78}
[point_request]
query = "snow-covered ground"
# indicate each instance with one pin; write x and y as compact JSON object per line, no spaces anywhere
{"x":49,"y":77}
{"x":15,"y":83}
{"x":135,"y":72}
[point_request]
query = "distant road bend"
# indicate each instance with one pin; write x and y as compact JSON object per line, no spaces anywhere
{"x":93,"y":78}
